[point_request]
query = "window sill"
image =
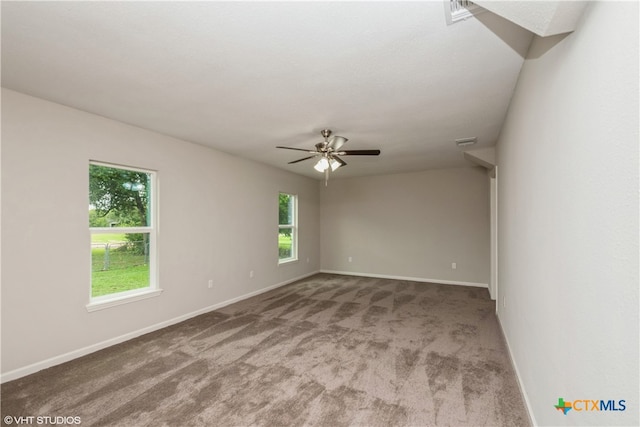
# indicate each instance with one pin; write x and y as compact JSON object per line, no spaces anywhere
{"x":119,"y":299}
{"x":287,"y":261}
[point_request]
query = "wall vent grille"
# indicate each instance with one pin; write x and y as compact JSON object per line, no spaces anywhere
{"x":459,"y":10}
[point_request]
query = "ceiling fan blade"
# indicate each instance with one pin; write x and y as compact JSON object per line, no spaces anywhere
{"x":304,"y":158}
{"x":297,"y":149}
{"x":359,"y":153}
{"x":336,"y":142}
{"x":339,"y":160}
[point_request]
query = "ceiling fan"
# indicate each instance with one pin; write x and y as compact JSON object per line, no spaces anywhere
{"x":328,"y":151}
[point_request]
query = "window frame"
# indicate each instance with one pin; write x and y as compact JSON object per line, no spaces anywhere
{"x":114,"y":299}
{"x":294,"y":230}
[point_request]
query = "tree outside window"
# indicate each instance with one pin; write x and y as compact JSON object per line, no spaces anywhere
{"x":122,"y":229}
{"x":287,"y":228}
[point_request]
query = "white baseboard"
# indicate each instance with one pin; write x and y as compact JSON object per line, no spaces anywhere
{"x":56,"y":360}
{"x":523,"y":392}
{"x":413,"y":279}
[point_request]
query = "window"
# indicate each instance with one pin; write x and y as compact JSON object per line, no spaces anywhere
{"x":287,"y":228}
{"x":123,"y":234}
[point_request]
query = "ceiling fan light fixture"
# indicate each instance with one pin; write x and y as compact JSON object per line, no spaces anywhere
{"x":329,"y":152}
{"x":322,"y":165}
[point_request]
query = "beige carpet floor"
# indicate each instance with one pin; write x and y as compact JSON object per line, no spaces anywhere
{"x":329,"y":350}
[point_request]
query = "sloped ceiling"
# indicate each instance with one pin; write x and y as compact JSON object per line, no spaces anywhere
{"x":243,"y":77}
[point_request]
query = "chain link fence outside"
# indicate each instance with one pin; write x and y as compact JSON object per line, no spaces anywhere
{"x":119,"y":255}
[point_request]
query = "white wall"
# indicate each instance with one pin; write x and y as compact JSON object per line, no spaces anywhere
{"x":568,"y":219}
{"x":218,"y":219}
{"x":409,"y":225}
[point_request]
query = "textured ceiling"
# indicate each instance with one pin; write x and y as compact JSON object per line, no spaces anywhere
{"x":244,"y":77}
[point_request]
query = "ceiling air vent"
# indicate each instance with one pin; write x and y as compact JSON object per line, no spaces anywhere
{"x":463,"y":142}
{"x":459,"y":10}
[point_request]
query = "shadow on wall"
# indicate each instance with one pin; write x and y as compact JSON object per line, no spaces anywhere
{"x":545,"y":45}
{"x":504,"y":29}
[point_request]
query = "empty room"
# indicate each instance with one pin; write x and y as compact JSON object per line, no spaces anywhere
{"x":320,"y":213}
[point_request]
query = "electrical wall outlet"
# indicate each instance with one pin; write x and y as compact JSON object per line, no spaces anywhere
{"x":210,"y":285}
{"x":350,"y":259}
{"x":251,"y":274}
{"x":454,"y":265}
